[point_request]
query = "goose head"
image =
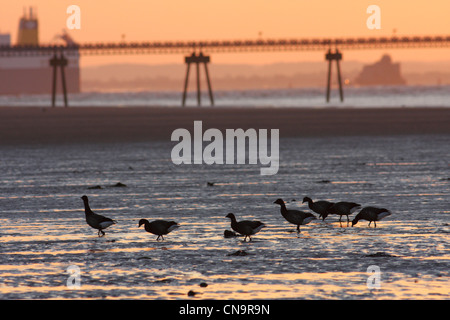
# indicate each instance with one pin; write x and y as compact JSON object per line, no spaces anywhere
{"x":231,"y":216}
{"x":141,"y":222}
{"x":279,"y":201}
{"x":306,"y":199}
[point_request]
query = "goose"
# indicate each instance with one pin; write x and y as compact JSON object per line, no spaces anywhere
{"x":159,"y":227}
{"x":296,"y":217}
{"x":321,"y":207}
{"x":245,"y":227}
{"x":371,"y":214}
{"x":94,"y":220}
{"x":344,"y":208}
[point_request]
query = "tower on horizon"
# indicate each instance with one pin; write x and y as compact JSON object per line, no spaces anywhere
{"x":28,"y":29}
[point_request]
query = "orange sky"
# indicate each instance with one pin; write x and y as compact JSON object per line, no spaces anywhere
{"x":146,"y":20}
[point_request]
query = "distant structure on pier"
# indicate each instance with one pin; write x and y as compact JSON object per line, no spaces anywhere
{"x":31,"y":73}
{"x":28,"y":29}
{"x":382,"y":72}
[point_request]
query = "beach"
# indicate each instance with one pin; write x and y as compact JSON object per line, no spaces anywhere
{"x":395,"y":158}
{"x":36,"y":125}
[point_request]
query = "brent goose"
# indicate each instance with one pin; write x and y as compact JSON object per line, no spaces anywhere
{"x":344,"y":209}
{"x":159,"y":227}
{"x":296,"y":217}
{"x":320,"y":207}
{"x":371,"y":214}
{"x":96,"y":221}
{"x":246,"y":227}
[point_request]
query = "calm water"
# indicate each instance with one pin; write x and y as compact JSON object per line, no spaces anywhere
{"x":43,"y":231}
{"x":363,"y":97}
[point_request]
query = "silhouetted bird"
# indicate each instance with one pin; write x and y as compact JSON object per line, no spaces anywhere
{"x":344,"y":209}
{"x":321,"y":207}
{"x":159,"y":227}
{"x":246,"y":227}
{"x":296,"y":217}
{"x":371,"y":214}
{"x":96,"y":221}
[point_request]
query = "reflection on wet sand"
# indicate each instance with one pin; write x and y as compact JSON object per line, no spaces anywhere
{"x":44,"y":233}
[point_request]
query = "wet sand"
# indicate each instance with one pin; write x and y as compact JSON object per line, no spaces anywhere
{"x":44,"y":232}
{"x":34,"y":125}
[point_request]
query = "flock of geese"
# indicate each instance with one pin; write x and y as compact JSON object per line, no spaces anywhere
{"x":248,"y":228}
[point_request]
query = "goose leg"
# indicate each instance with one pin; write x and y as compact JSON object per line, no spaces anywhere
{"x":298,"y":228}
{"x":370,"y":223}
{"x":157,"y":239}
{"x":375,"y":224}
{"x":348,"y":221}
{"x":100,"y":233}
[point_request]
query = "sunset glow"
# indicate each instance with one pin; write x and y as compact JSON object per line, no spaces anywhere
{"x":115,"y":21}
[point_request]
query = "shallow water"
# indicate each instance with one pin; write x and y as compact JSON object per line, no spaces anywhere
{"x":43,"y":231}
{"x":360,"y":97}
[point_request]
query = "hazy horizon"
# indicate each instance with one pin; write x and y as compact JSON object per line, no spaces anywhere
{"x":246,"y":76}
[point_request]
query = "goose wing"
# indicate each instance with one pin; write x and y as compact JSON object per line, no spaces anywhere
{"x":102,"y":221}
{"x":296,"y":216}
{"x":321,"y":206}
{"x":343,"y":208}
{"x":160,"y":227}
{"x":249,"y":227}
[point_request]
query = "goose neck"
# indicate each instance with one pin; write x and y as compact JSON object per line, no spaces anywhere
{"x":87,"y":209}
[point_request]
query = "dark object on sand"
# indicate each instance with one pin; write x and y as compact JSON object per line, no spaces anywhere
{"x":239,"y":253}
{"x":191,"y":293}
{"x":119,"y":185}
{"x":229,"y":234}
{"x":379,"y":254}
{"x":95,"y":187}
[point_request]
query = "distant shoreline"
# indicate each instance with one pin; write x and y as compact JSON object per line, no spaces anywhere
{"x":38,"y":125}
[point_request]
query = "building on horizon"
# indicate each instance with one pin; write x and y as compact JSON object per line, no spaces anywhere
{"x":31,"y":73}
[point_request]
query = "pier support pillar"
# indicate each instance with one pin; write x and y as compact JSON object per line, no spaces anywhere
{"x":336,"y":56}
{"x":197,"y":59}
{"x":61,"y":62}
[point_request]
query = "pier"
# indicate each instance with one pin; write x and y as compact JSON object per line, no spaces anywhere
{"x":199,"y":52}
